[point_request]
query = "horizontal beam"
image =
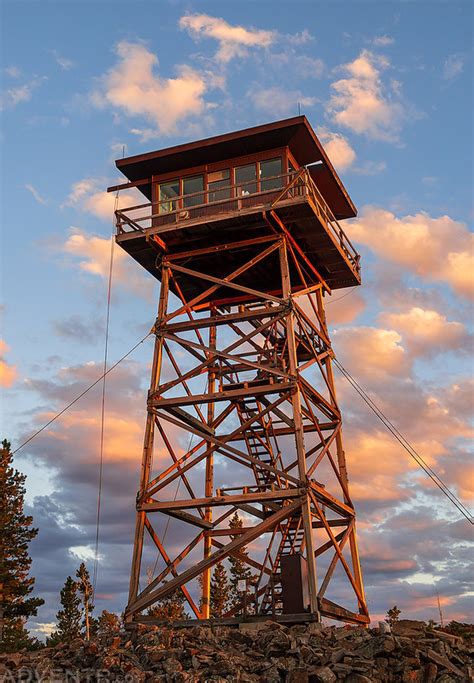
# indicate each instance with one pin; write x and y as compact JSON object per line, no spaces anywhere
{"x":224,"y":319}
{"x":226,"y":395}
{"x":212,"y":501}
{"x":334,"y":611}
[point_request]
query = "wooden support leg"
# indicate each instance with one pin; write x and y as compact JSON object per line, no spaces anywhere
{"x":299,"y":434}
{"x":148,"y":444}
{"x":209,"y":486}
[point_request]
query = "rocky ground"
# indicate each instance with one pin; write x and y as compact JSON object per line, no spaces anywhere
{"x":271,"y":653}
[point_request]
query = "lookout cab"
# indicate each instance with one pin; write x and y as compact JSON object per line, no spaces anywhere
{"x":243,"y":437}
{"x":241,"y":185}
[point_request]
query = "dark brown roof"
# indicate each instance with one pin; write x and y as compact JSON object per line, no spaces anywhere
{"x":296,"y":133}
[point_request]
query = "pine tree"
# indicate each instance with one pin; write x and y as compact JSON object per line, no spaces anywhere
{"x":16,"y":533}
{"x":239,"y":570}
{"x":392,"y":615}
{"x":69,"y":617}
{"x":220,"y":591}
{"x":170,"y":608}
{"x":108,"y":625}
{"x":84,"y":587}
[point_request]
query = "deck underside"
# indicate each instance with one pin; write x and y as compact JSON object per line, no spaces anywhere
{"x":298,"y":216}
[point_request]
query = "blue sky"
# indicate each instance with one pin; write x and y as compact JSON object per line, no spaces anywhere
{"x":388,"y":87}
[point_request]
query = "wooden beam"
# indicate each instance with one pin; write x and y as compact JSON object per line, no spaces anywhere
{"x":217,"y":556}
{"x":259,"y":497}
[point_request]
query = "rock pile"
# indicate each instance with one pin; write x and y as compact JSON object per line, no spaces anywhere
{"x":267,"y":653}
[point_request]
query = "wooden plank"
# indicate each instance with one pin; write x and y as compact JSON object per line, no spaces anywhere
{"x":226,"y":395}
{"x":259,"y":497}
{"x":333,"y":611}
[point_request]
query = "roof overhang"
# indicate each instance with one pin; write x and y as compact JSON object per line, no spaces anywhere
{"x":295,"y":133}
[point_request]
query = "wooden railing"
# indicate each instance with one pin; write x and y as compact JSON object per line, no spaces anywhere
{"x":303,"y":179}
{"x":276,"y":189}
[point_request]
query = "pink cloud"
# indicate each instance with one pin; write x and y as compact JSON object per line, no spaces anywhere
{"x":133,"y":87}
{"x":91,"y":255}
{"x":234,"y":40}
{"x":8,"y":372}
{"x":372,"y":352}
{"x":363,"y":103}
{"x":436,"y":249}
{"x":426,"y":331}
{"x":337,"y":148}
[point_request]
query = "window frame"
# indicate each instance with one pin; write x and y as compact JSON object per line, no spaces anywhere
{"x":230,"y":164}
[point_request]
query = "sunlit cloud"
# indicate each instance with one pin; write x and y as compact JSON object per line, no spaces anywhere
{"x":337,"y":147}
{"x":134,"y":88}
{"x":436,"y":249}
{"x":363,"y":103}
{"x":89,"y":195}
{"x":234,"y":40}
{"x":427,"y":331}
{"x":374,"y":352}
{"x":8,"y":372}
{"x":91,"y":255}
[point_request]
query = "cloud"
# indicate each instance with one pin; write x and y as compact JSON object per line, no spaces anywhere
{"x":88,"y":195}
{"x":373,"y":351}
{"x":300,"y":38}
{"x":133,"y":87}
{"x":35,"y":193}
{"x":344,"y":308}
{"x":63,"y":62}
{"x":383,"y":41}
{"x":337,"y":148}
{"x":361,"y":101}
{"x":78,"y":329}
{"x":91,"y":255}
{"x":278,"y":101}
{"x":13,"y":71}
{"x":22,"y":93}
{"x":234,"y":41}
{"x":370,"y":168}
{"x":427,"y":331}
{"x":453,"y":67}
{"x":8,"y":373}
{"x":69,"y":450}
{"x":436,"y":249}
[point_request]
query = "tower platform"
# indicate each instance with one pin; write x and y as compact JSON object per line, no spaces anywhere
{"x":253,"y":196}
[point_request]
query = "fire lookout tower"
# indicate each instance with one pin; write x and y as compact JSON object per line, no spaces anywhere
{"x":242,"y":231}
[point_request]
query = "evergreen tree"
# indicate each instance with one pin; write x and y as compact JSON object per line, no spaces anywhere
{"x":16,"y":533}
{"x":220,"y":591}
{"x":239,"y":570}
{"x":392,"y":615}
{"x":170,"y":608}
{"x":108,"y":625}
{"x":84,"y":587}
{"x":69,"y":617}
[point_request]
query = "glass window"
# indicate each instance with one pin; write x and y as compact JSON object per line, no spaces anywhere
{"x":191,"y":186}
{"x":167,"y":196}
{"x":269,"y":169}
{"x":245,"y":179}
{"x":218,"y":184}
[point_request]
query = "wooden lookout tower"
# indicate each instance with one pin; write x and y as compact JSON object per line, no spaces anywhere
{"x":243,"y":232}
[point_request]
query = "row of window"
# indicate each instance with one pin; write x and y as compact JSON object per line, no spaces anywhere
{"x":248,"y":179}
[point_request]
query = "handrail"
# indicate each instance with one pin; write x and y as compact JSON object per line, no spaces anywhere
{"x":298,"y":182}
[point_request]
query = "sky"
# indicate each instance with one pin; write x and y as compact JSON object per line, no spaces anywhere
{"x":388,"y":88}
